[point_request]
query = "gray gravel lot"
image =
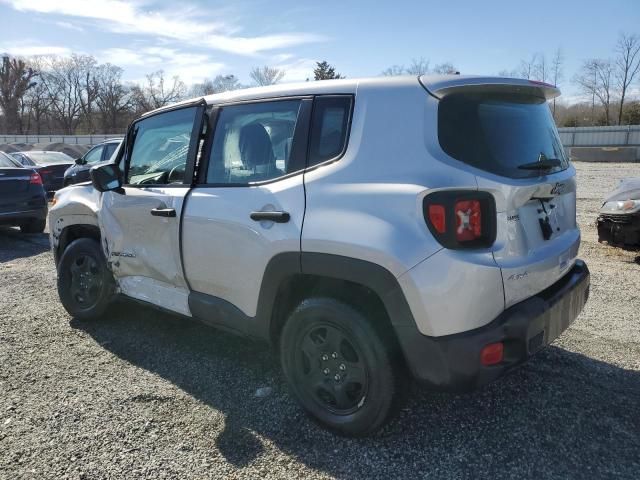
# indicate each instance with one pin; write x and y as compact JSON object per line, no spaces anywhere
{"x":149,"y":395}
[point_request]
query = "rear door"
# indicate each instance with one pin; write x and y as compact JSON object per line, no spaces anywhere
{"x":248,"y":205}
{"x":141,"y":224}
{"x":507,"y":135}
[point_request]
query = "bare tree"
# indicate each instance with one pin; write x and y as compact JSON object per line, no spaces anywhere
{"x":16,"y":78}
{"x":394,"y":71}
{"x":87,"y":86}
{"x":60,"y":79}
{"x":445,"y":68}
{"x":418,"y":67}
{"x":156,"y":93}
{"x":627,"y":65}
{"x":221,"y":83}
{"x":528,"y":67}
{"x":113,"y":99}
{"x":557,"y":65}
{"x":595,"y":80}
{"x":541,"y":68}
{"x":266,"y":75}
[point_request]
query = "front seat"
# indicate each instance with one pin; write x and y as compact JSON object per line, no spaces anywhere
{"x":256,"y":152}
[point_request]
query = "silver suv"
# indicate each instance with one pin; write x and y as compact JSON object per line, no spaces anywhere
{"x":370,"y":230}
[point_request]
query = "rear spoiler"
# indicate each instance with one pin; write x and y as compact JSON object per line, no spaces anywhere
{"x":442,"y":85}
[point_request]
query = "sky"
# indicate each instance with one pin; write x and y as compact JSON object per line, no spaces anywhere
{"x":196,"y":39}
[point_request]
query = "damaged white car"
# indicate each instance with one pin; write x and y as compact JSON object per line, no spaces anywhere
{"x":619,"y":219}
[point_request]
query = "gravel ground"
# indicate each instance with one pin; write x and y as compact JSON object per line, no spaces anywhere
{"x":149,"y":395}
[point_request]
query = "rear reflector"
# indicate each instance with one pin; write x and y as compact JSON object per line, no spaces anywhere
{"x":35,"y":179}
{"x":468,"y":220}
{"x":492,"y":354}
{"x":437,"y":218}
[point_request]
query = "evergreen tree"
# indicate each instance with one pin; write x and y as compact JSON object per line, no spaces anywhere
{"x":324,"y":71}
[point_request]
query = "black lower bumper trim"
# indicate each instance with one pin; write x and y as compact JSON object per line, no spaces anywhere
{"x":453,"y":363}
{"x":620,"y":230}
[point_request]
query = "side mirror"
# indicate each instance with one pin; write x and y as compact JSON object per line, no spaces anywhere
{"x":106,"y":178}
{"x":80,"y":161}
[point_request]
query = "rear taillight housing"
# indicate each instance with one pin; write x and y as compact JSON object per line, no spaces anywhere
{"x":35,"y":179}
{"x":461,"y":219}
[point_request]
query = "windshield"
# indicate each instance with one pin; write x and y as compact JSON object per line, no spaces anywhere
{"x":49,"y":157}
{"x":500,"y":133}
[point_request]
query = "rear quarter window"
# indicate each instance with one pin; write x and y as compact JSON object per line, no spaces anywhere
{"x":329,"y":127}
{"x":499,"y":133}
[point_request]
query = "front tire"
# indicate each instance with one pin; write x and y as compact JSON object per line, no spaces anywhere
{"x":338,"y":367}
{"x":85,"y":284}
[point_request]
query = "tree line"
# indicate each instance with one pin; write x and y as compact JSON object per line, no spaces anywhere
{"x":78,"y":95}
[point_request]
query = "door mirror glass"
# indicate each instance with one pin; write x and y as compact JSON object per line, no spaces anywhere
{"x":106,"y":178}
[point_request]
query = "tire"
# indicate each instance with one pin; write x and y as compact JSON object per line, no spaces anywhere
{"x":338,"y":367}
{"x":85,"y":285}
{"x":34,"y":226}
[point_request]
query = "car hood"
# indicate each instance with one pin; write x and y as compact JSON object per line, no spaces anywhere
{"x":628,"y":189}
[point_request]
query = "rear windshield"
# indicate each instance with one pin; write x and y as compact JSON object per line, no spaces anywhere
{"x":499,"y":133}
{"x":5,"y":161}
{"x":50,"y":157}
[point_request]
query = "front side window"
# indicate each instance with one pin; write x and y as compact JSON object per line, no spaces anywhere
{"x":94,"y":155}
{"x":329,"y":127}
{"x":253,"y":142}
{"x":160,"y":148}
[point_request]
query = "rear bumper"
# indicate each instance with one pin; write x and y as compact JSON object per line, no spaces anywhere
{"x":16,"y":216}
{"x":620,"y":230}
{"x":453,"y":363}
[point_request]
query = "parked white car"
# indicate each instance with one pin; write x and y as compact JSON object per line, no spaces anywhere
{"x":365,"y":228}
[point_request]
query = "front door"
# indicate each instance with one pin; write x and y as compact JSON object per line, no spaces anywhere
{"x":141,"y":223}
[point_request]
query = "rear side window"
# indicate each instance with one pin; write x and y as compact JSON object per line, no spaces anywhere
{"x":329,"y":127}
{"x":109,"y":148}
{"x":253,"y":142}
{"x":499,"y":133}
{"x":5,"y":161}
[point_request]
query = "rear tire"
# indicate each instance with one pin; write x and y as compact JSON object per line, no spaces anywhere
{"x":34,"y":226}
{"x":85,"y":285}
{"x":338,"y":367}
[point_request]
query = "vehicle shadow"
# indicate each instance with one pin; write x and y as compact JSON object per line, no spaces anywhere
{"x":14,"y":244}
{"x":561,"y":415}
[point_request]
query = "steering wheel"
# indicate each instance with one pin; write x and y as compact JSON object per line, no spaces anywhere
{"x":171,"y":172}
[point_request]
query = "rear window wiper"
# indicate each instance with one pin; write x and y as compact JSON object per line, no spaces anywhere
{"x":544,"y":164}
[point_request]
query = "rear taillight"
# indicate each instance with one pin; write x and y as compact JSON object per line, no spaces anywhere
{"x":437,"y":218}
{"x":35,"y":179}
{"x":461,"y":219}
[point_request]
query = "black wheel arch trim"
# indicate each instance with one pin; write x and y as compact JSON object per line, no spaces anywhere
{"x":221,"y":313}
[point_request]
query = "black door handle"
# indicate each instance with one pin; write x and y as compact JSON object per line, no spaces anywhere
{"x":163,"y":212}
{"x":278,"y":217}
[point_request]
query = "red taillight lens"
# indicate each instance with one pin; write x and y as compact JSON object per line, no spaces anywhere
{"x":468,"y":220}
{"x":437,"y":218}
{"x":492,"y":354}
{"x":35,"y":179}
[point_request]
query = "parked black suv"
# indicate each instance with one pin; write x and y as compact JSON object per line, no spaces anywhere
{"x":80,"y":171}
